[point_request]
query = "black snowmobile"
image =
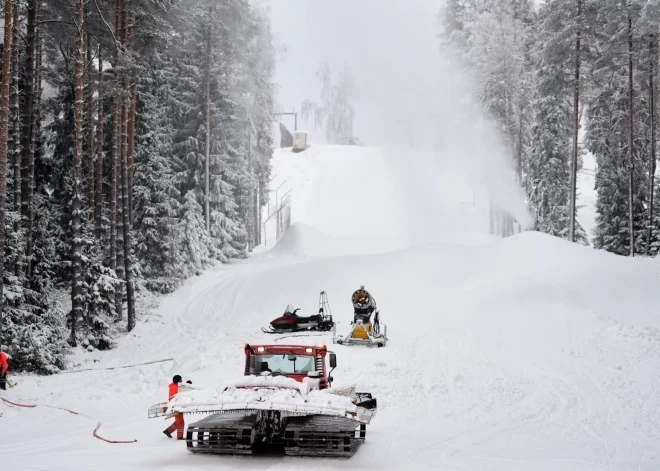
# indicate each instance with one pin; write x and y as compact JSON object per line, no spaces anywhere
{"x":290,"y":321}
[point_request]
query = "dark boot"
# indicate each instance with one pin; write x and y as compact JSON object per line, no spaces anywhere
{"x":167,"y":433}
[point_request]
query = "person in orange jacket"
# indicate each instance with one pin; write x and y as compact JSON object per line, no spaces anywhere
{"x":178,"y":418}
{"x":4,"y":366}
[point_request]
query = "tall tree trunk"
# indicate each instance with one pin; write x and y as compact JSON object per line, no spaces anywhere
{"x":15,"y":149}
{"x":4,"y":129}
{"x":652,"y":163}
{"x":91,"y":188}
{"x":99,"y":155}
{"x":207,"y":143}
{"x":125,"y":214}
{"x":34,"y":128}
{"x":576,"y":125}
{"x":131,"y":146}
{"x":130,"y":297}
{"x":131,"y":131}
{"x":519,"y":150}
{"x":115,"y":160}
{"x":76,"y":281}
{"x":257,"y":215}
{"x":259,"y":212}
{"x":631,"y":163}
{"x":28,"y":123}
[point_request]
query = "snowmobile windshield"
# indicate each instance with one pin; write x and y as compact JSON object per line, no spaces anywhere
{"x":284,"y":364}
{"x":289,"y":309}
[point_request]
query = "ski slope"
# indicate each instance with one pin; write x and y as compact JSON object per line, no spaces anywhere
{"x":527,"y":353}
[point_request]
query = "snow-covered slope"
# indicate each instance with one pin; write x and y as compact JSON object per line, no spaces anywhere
{"x":521,"y":354}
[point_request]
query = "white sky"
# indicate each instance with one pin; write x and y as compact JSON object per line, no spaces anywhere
{"x":390,"y":46}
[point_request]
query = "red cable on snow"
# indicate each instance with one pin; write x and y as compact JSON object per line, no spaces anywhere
{"x":70,"y":411}
{"x":98,"y":426}
{"x":18,"y":405}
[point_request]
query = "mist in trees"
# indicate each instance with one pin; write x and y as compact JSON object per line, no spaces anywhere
{"x":135,"y":146}
{"x":545,"y":74}
{"x":336,"y":111}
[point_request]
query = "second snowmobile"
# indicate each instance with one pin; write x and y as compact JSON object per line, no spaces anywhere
{"x":290,"y":321}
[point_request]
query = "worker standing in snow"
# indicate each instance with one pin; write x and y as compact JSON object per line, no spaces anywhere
{"x":178,"y":418}
{"x":4,"y":366}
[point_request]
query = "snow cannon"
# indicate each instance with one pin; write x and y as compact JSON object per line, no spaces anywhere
{"x":290,"y":321}
{"x":284,"y":401}
{"x":366,"y":326}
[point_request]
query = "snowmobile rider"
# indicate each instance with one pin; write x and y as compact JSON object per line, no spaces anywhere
{"x":4,"y":366}
{"x":178,"y":417}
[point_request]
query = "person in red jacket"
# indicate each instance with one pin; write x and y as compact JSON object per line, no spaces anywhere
{"x":178,"y":418}
{"x":4,"y":366}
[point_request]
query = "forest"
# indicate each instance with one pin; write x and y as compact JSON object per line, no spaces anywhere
{"x":562,"y":78}
{"x":135,"y":146}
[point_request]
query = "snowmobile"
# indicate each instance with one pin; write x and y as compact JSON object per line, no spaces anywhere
{"x":290,"y":321}
{"x":364,"y":329}
{"x":285,"y":400}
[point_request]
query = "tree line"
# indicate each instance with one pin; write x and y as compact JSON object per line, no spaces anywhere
{"x":547,"y":74}
{"x":135,"y":146}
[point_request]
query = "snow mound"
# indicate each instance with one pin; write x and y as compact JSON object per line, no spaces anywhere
{"x":303,"y":241}
{"x":374,"y":199}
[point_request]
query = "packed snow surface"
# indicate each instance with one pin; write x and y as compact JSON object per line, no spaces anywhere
{"x":527,"y":353}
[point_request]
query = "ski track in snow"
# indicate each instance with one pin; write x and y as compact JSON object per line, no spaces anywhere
{"x":520,"y":354}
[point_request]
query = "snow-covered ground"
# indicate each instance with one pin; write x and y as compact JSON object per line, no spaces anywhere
{"x":527,"y":353}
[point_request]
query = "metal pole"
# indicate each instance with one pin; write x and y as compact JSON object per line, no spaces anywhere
{"x":277,"y":209}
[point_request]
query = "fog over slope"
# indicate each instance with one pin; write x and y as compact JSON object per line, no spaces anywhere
{"x":409,"y":89}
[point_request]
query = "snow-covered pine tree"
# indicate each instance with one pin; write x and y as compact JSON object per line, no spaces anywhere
{"x":4,"y":135}
{"x":548,"y":179}
{"x":608,"y":130}
{"x":42,"y":176}
{"x":229,"y":171}
{"x":194,"y":238}
{"x":546,"y":170}
{"x":155,"y":194}
{"x":262,"y":89}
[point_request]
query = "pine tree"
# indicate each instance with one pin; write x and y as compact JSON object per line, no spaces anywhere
{"x":614,"y":121}
{"x":29,"y":115}
{"x":156,"y":196}
{"x":64,"y":222}
{"x":4,"y":130}
{"x":195,"y":239}
{"x":76,"y":272}
{"x":547,"y":170}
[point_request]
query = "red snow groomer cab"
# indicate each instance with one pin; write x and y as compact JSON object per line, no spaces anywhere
{"x":293,"y":361}
{"x":285,"y":400}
